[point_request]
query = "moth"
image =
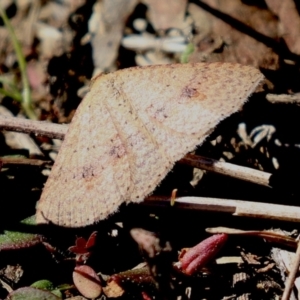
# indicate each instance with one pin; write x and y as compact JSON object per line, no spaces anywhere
{"x":131,"y":128}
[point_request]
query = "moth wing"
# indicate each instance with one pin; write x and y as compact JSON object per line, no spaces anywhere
{"x":179,"y":105}
{"x":148,"y":164}
{"x":91,"y":174}
{"x":146,"y":118}
{"x":165,"y":111}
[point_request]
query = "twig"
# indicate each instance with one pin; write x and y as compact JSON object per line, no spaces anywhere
{"x":228,"y":169}
{"x":235,"y":207}
{"x":283,"y":98}
{"x":51,"y":130}
{"x":292,"y":276}
{"x":8,"y":161}
{"x":26,"y":93}
{"x":58,"y":131}
{"x":270,"y":236}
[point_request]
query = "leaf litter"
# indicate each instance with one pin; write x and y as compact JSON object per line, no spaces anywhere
{"x":62,"y":49}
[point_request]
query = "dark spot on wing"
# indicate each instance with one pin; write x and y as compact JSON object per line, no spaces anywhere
{"x":87,"y":172}
{"x":189,"y":92}
{"x":117,"y":151}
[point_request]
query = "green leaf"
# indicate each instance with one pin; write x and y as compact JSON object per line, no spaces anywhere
{"x":43,"y":284}
{"x":26,"y":93}
{"x":30,"y":293}
{"x":190,"y":48}
{"x":17,"y":240}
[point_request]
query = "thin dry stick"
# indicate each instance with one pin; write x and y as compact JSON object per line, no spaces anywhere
{"x":292,"y":276}
{"x":8,"y":161}
{"x":51,"y":130}
{"x":234,"y":207}
{"x":270,"y":236}
{"x":284,"y":98}
{"x":227,"y":169}
{"x":58,"y":131}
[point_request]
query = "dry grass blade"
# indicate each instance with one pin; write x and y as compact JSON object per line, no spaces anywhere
{"x":227,"y":169}
{"x":58,"y":131}
{"x":51,"y":130}
{"x":234,"y":207}
{"x":292,"y":276}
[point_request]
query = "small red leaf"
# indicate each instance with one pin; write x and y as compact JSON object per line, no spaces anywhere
{"x":91,"y":241}
{"x":195,"y":258}
{"x":82,"y":245}
{"x":79,"y":247}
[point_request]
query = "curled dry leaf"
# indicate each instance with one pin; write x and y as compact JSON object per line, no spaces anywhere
{"x":87,"y":281}
{"x":195,"y":258}
{"x":12,"y":273}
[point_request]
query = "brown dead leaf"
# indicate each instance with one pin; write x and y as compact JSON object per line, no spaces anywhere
{"x":12,"y":273}
{"x":106,"y":27}
{"x":234,"y":27}
{"x":265,"y":269}
{"x":251,"y":259}
{"x":55,"y":13}
{"x":113,"y":289}
{"x":164,"y":15}
{"x":289,"y":22}
{"x":51,"y":40}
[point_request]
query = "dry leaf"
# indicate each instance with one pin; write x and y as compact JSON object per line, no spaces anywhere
{"x":131,"y":128}
{"x":51,"y":40}
{"x":289,"y":25}
{"x":225,"y":40}
{"x":164,"y":15}
{"x":106,"y":26}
